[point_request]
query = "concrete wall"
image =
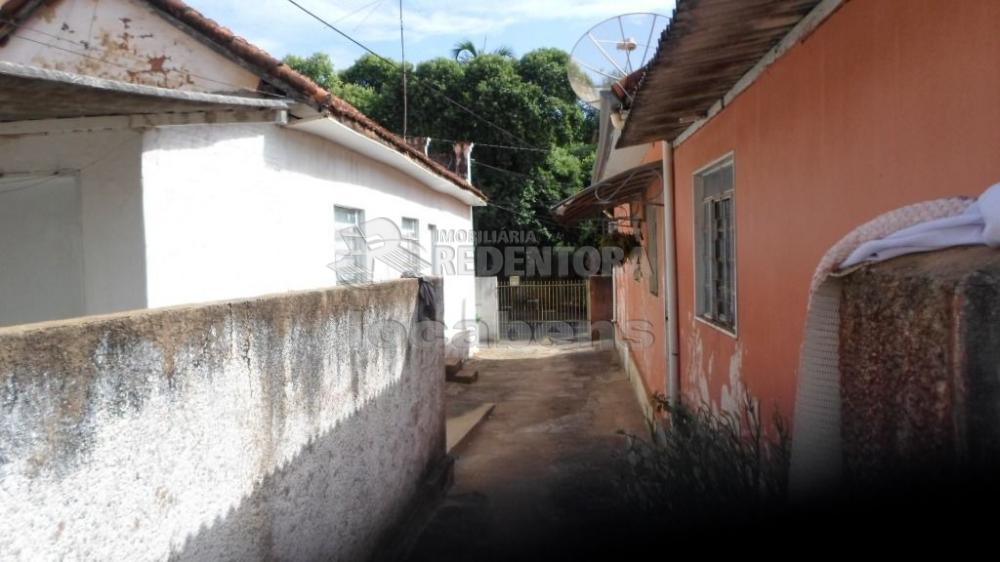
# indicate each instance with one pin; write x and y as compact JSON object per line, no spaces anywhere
{"x":600,"y":306}
{"x":919,"y":359}
{"x":241,"y":210}
{"x":72,"y":245}
{"x":487,"y":313}
{"x":292,"y":427}
{"x":122,"y":40}
{"x":887,"y":103}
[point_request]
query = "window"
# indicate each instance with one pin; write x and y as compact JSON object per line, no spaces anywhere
{"x":410,"y":240}
{"x":352,"y":249}
{"x":715,"y":244}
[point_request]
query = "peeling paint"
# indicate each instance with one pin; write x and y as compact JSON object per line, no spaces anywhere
{"x":124,"y":40}
{"x":733,"y":394}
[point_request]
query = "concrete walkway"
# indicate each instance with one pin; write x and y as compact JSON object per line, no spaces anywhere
{"x":540,"y":477}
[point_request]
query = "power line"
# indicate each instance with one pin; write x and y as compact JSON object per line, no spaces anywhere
{"x":358,"y":11}
{"x":402,"y":52}
{"x":512,"y":172}
{"x":539,"y":217}
{"x":364,"y":20}
{"x":433,"y":87}
{"x":498,"y":146}
{"x":53,"y":176}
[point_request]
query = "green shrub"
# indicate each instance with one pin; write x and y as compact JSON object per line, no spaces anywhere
{"x":709,"y":462}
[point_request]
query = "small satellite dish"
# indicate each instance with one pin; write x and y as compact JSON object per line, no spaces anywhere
{"x":611,"y":50}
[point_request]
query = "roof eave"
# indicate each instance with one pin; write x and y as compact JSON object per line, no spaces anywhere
{"x":685,"y":86}
{"x":334,"y":130}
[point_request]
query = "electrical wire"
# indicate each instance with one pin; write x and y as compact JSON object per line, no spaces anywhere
{"x":63,"y":173}
{"x":498,"y":146}
{"x":433,"y":87}
{"x":358,"y":11}
{"x":511,"y":172}
{"x":374,"y":8}
{"x":539,"y":217}
{"x":402,"y":52}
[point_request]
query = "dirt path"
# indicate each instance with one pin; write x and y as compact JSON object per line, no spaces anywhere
{"x":540,"y":477}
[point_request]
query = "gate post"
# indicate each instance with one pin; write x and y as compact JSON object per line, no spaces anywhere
{"x":600,"y":307}
{"x":487,"y":317}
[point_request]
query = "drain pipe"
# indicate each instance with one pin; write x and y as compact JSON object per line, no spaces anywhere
{"x":670,"y":277}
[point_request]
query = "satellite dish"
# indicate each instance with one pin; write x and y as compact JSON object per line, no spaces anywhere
{"x":611,"y":50}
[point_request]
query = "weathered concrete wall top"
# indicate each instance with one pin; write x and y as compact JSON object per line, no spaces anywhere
{"x":920,"y":365}
{"x":288,"y":427}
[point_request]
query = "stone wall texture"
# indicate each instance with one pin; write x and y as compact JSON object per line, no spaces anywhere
{"x":920,"y":366}
{"x":292,"y":427}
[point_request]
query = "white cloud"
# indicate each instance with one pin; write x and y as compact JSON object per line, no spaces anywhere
{"x":280,"y":26}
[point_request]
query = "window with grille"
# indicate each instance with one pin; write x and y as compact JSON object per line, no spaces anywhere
{"x":352,"y":250}
{"x":715,"y":244}
{"x":409,"y":230}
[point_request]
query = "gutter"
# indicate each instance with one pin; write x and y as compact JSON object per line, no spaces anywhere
{"x":670,"y":278}
{"x":333,"y":130}
{"x":114,"y":86}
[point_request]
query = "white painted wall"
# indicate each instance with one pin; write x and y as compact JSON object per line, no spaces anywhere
{"x":41,"y":249}
{"x":122,"y":40}
{"x":100,"y":228}
{"x":241,"y":210}
{"x":487,"y":310}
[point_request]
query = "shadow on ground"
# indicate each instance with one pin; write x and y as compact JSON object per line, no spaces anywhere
{"x":545,"y":466}
{"x":543,"y":479}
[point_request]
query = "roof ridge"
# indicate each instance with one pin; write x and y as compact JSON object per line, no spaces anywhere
{"x":247,"y":51}
{"x":269,"y":66}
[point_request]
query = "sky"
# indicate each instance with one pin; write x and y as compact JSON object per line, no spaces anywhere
{"x":432,"y":26}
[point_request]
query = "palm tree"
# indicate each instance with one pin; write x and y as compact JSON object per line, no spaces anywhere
{"x":464,"y":50}
{"x":504,"y":51}
{"x":467,"y":50}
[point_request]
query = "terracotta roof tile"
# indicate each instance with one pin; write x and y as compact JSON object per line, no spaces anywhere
{"x":270,"y":67}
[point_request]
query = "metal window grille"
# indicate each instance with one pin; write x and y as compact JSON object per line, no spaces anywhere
{"x":715,"y":251}
{"x":410,"y":234}
{"x":352,"y":267}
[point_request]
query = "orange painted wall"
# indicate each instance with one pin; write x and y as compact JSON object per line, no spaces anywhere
{"x":889,"y":102}
{"x":640,"y":315}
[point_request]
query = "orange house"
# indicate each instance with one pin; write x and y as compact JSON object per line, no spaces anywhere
{"x":779,"y":127}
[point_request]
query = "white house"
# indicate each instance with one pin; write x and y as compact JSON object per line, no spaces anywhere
{"x":149,"y":157}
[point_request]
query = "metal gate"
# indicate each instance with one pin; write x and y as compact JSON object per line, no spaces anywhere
{"x":536,"y":309}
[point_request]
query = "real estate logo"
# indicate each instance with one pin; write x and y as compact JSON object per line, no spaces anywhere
{"x":380,"y":240}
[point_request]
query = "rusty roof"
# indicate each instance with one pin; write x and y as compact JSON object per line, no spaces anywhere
{"x":607,"y":194}
{"x":626,"y":88}
{"x":271,"y":70}
{"x":704,"y":51}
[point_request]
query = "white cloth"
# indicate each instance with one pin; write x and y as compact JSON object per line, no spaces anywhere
{"x":978,"y":225}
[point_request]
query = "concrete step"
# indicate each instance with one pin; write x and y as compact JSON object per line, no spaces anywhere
{"x":467,"y":375}
{"x":460,"y":426}
{"x":452,"y":366}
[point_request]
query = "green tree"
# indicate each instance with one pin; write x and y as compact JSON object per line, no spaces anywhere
{"x":466,"y":50}
{"x":534,"y":141}
{"x":319,"y":68}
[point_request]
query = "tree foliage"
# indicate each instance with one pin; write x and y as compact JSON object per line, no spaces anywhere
{"x":525,"y":103}
{"x":465,"y":50}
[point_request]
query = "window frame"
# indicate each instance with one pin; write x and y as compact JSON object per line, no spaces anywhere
{"x":413,"y":241}
{"x":705,"y":253}
{"x":359,"y":260}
